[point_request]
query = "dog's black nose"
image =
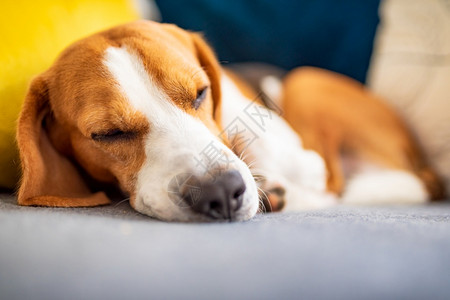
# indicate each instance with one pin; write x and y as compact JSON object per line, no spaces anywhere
{"x":219,"y":198}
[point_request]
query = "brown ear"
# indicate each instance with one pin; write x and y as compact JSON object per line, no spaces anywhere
{"x":211,"y":65}
{"x":48,"y":177}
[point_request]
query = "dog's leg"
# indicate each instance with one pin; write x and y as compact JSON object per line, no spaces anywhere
{"x":339,"y":117}
{"x":289,"y":174}
{"x":378,"y":186}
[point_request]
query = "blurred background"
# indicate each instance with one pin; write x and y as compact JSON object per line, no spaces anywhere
{"x":399,"y":48}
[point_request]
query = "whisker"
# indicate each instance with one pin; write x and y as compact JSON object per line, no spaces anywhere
{"x":258,"y":175}
{"x":267,"y":198}
{"x":245,"y":156}
{"x":261,"y":207}
{"x":233,"y":146}
{"x":258,"y":172}
{"x":242,"y":154}
{"x":250,"y":165}
{"x":122,"y":201}
{"x":258,"y":179}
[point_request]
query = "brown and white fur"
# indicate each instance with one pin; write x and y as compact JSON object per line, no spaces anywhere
{"x":137,"y":106}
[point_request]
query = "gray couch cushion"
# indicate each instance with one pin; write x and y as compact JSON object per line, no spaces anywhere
{"x":115,"y":253}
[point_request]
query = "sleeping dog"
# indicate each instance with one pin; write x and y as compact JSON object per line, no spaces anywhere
{"x":146,"y":107}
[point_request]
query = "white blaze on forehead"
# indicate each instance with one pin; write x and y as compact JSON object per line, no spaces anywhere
{"x":134,"y":81}
{"x":145,"y":96}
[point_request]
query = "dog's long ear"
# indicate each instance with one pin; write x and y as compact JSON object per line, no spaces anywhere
{"x":211,"y":65}
{"x":48,"y":177}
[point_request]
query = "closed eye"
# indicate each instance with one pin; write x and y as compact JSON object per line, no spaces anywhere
{"x":201,"y":95}
{"x":113,"y":135}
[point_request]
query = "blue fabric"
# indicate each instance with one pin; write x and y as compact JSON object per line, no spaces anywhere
{"x":335,"y":35}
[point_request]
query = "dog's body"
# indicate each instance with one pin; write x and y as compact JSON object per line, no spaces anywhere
{"x":147,"y":107}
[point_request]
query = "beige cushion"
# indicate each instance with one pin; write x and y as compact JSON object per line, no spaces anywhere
{"x":411,"y":69}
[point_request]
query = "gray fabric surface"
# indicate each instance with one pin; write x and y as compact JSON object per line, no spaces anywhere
{"x":115,"y":253}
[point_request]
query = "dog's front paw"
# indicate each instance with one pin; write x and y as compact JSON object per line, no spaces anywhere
{"x":279,"y":194}
{"x":272,"y":196}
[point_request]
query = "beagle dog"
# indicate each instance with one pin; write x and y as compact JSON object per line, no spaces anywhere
{"x":146,"y":107}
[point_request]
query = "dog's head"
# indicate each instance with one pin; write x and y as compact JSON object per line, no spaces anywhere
{"x":137,"y":106}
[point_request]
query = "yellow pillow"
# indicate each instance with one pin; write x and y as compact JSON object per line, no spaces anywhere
{"x":32,"y":34}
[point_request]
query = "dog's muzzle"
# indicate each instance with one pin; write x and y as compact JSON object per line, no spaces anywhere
{"x":218,"y":198}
